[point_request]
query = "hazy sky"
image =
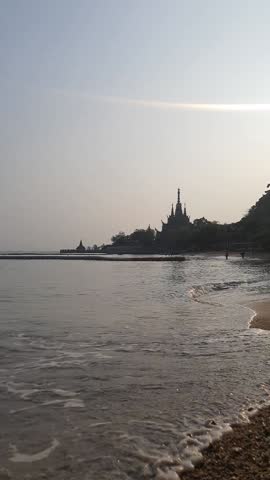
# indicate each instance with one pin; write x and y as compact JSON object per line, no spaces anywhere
{"x":107,"y":107}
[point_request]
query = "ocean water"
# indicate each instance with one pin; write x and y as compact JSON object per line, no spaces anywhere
{"x":126,"y":370}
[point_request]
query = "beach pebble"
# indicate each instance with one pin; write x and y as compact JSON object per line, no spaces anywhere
{"x":169,"y":475}
{"x":265,"y":457}
{"x":147,"y":471}
{"x":237,"y":449}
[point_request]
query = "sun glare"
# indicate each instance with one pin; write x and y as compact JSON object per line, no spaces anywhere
{"x":215,"y":107}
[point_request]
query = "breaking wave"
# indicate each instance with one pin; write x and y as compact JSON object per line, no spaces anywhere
{"x":199,"y":292}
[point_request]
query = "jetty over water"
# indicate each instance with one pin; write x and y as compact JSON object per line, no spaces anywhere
{"x":95,"y":258}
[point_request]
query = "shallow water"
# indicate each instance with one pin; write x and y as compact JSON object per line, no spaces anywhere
{"x":125,"y":370}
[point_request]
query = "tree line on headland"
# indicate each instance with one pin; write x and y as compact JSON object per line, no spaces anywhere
{"x":252,"y":232}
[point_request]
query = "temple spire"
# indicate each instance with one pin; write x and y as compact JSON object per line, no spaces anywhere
{"x":185,"y":210}
{"x":178,"y":208}
{"x":178,"y":216}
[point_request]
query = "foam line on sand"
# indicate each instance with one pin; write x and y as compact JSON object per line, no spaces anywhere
{"x":261,"y":318}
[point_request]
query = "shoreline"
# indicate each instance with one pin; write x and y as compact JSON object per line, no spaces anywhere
{"x":242,"y":454}
{"x":261,"y":317}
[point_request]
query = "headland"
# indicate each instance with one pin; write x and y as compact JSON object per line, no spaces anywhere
{"x":179,"y":234}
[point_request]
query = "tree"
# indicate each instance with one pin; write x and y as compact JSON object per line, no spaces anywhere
{"x":143,"y":237}
{"x":119,"y":239}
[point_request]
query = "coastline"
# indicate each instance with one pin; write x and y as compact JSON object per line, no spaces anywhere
{"x":242,"y":454}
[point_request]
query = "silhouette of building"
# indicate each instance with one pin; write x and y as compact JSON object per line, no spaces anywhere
{"x":177,"y":218}
{"x":81,"y":248}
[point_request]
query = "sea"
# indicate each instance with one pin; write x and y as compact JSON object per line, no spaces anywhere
{"x":126,"y":371}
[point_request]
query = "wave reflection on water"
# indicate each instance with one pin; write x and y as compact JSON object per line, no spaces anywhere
{"x":125,"y":371}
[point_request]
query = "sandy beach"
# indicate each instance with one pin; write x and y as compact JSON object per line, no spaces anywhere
{"x":262,"y":317}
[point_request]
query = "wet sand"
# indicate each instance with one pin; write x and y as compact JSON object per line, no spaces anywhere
{"x":262,"y":317}
{"x":243,"y":454}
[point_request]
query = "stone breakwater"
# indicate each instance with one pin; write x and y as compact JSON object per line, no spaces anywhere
{"x":101,"y":258}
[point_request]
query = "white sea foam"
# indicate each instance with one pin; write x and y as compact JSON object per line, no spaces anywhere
{"x":101,"y":356}
{"x":74,"y":403}
{"x":72,"y":354}
{"x":197,"y":294}
{"x":34,"y":457}
{"x":252,"y":312}
{"x":64,"y":393}
{"x":70,"y":403}
{"x":61,"y":363}
{"x":167,"y":475}
{"x":51,"y":364}
{"x":187,"y":453}
{"x":51,"y":402}
{"x":99,"y":424}
{"x":23,"y":393}
{"x":32,"y":407}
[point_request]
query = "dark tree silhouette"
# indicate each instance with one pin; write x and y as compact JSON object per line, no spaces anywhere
{"x":253,"y":229}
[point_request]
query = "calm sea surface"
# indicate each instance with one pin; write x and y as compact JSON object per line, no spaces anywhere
{"x":125,"y":370}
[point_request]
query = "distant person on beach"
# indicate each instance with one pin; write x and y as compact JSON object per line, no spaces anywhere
{"x":226,"y":254}
{"x":243,"y":254}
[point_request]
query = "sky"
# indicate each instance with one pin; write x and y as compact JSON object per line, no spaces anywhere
{"x":107,"y":107}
